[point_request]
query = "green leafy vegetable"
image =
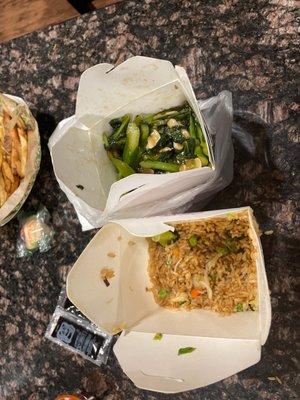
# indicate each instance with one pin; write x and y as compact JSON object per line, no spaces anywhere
{"x":123,"y":168}
{"x":200,"y":135}
{"x":239,"y":307}
{"x":193,"y":241}
{"x":204,"y":148}
{"x":138,"y":120}
{"x":158,"y":336}
{"x":144,"y":135}
{"x":131,"y":145}
{"x":186,"y":350}
{"x":105,"y":141}
{"x":192,"y":129}
{"x":162,"y":166}
{"x":165,"y":142}
{"x":163,"y":293}
{"x":121,"y":129}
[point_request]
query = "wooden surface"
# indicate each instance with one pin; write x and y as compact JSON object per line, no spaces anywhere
{"x":18,"y":17}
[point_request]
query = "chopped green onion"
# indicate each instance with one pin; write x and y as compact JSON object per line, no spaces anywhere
{"x":163,"y":293}
{"x":223,"y":251}
{"x":231,"y":244}
{"x":186,"y":350}
{"x":158,"y":336}
{"x":239,"y":307}
{"x":193,"y":241}
{"x":165,"y":238}
{"x":231,"y":215}
{"x":169,"y":263}
{"x":214,"y":277}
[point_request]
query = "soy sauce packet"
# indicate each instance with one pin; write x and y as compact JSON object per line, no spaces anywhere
{"x":70,"y":329}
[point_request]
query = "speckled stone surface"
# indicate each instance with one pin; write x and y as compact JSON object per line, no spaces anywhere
{"x":248,"y":47}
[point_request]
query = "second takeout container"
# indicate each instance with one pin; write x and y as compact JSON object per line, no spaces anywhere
{"x":14,"y":203}
{"x":224,"y":345}
{"x":80,"y":162}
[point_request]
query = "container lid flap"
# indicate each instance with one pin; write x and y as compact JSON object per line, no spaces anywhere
{"x":104,"y":88}
{"x":156,"y":365}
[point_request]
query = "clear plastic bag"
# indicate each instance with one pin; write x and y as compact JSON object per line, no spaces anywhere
{"x":35,"y":233}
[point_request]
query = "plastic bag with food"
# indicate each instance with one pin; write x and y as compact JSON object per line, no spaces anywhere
{"x":171,"y":151}
{"x":36,"y":234}
{"x":20,"y":155}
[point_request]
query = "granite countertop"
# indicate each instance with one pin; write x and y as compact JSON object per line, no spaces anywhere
{"x":249,"y":48}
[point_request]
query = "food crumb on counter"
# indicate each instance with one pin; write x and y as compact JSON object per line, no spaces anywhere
{"x":109,"y":301}
{"x":111,"y":254}
{"x":275,"y":378}
{"x":119,"y":238}
{"x":131,"y":243}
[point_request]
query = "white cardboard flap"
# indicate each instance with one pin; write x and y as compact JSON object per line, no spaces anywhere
{"x":87,"y":291}
{"x":104,"y":87}
{"x":156,"y":365}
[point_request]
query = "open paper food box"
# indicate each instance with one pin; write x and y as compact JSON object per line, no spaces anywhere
{"x":15,"y":201}
{"x":81,"y":165}
{"x":224,"y":344}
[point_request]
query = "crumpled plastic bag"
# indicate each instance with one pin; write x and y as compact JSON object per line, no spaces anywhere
{"x":217,"y":112}
{"x":35,"y":233}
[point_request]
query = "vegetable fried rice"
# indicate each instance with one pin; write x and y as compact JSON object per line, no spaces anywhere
{"x":208,"y":264}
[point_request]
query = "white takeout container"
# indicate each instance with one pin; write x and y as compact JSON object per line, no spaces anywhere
{"x":224,"y":345}
{"x":80,"y":162}
{"x":15,"y":201}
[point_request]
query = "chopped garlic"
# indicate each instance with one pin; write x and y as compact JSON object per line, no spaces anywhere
{"x":177,"y":146}
{"x":165,"y":149}
{"x":172,"y":123}
{"x":153,"y":139}
{"x":185,"y":133}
